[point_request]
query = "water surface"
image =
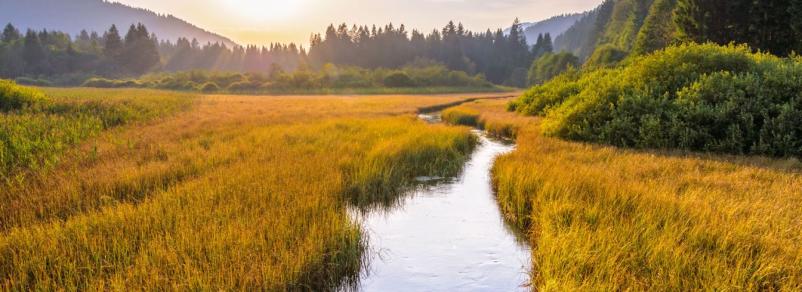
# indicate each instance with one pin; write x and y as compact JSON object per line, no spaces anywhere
{"x":449,"y":237}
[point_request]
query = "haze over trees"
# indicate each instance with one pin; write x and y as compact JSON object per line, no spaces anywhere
{"x":41,"y":57}
{"x":502,"y":58}
{"x":554,"y":26}
{"x":73,"y":16}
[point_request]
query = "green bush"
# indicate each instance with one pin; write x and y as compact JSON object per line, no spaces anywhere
{"x":105,"y":83}
{"x":698,"y":97}
{"x":550,"y":65}
{"x":244,"y":86}
{"x":15,"y":97}
{"x":209,"y":87}
{"x":329,"y":77}
{"x":32,"y":81}
{"x":398,"y":79}
{"x":606,"y":56}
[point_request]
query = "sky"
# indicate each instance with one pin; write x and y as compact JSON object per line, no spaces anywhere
{"x":265,"y":21}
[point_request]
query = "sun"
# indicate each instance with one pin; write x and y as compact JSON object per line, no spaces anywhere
{"x":264,"y":10}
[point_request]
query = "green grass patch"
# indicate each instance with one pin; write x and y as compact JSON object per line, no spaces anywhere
{"x":40,"y":125}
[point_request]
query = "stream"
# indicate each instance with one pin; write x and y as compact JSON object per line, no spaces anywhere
{"x":449,"y":236}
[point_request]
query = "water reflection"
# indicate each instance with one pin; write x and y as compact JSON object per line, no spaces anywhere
{"x":449,"y":236}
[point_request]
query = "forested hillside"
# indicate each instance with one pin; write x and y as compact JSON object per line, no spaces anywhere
{"x":73,"y":16}
{"x":718,"y":76}
{"x":620,"y":28}
{"x":609,"y":32}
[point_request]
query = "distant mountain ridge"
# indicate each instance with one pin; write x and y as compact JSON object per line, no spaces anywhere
{"x":98,"y":15}
{"x":555,"y":26}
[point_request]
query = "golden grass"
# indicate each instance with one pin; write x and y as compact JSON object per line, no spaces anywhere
{"x":489,"y":115}
{"x":238,"y":193}
{"x":602,"y":218}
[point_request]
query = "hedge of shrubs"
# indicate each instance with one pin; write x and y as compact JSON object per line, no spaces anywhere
{"x":695,"y":96}
{"x":329,"y":77}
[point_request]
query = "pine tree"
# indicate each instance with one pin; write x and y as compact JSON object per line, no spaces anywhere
{"x":795,"y":21}
{"x":764,"y":25}
{"x":140,"y":53}
{"x":33,"y":53}
{"x":131,"y":36}
{"x":770,"y":28}
{"x":548,"y":45}
{"x":113,"y":45}
{"x":517,"y":37}
{"x":10,"y":34}
{"x":538,"y":45}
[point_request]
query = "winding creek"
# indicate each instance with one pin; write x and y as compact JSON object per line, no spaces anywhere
{"x":447,"y":237}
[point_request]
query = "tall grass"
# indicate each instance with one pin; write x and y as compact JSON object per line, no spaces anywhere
{"x":40,"y":126}
{"x":602,"y":218}
{"x":489,"y":115}
{"x":238,"y":193}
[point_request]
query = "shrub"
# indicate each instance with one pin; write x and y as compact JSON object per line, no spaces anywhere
{"x":209,"y":87}
{"x":398,"y":79}
{"x":15,"y":97}
{"x":190,"y":85}
{"x":243,"y":86}
{"x":329,"y":77}
{"x":606,"y":56}
{"x":698,"y":97}
{"x":551,"y":65}
{"x":33,"y":81}
{"x":129,"y":84}
{"x":100,"y":83}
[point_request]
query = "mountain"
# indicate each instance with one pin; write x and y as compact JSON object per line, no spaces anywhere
{"x":555,"y":26}
{"x":98,"y":15}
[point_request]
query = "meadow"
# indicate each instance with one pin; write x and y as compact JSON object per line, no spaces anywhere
{"x":214,"y":192}
{"x":604,"y":218}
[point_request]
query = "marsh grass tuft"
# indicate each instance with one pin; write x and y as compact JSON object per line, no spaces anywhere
{"x":603,"y":218}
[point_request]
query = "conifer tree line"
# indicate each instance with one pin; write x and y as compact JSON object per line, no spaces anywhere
{"x":49,"y":53}
{"x":186,"y":55}
{"x":502,"y":58}
{"x":620,"y":28}
{"x":774,"y":26}
{"x":52,"y":54}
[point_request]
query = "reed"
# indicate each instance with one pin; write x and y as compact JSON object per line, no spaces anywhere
{"x":604,"y":218}
{"x":234,"y":193}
